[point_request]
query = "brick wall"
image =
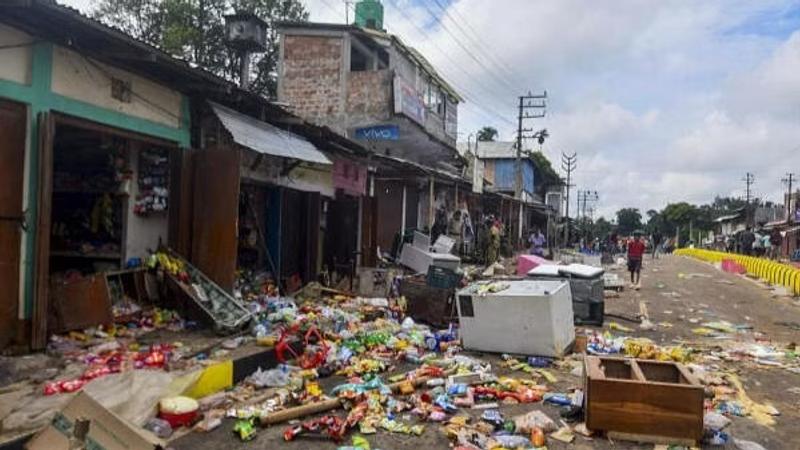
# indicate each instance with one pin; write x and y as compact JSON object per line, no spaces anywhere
{"x":311,"y":78}
{"x":312,"y":85}
{"x":369,"y":97}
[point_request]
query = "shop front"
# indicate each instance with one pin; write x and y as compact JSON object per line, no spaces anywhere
{"x":90,"y":153}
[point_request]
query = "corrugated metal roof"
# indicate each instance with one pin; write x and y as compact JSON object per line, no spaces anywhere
{"x":495,"y":150}
{"x":267,"y":139}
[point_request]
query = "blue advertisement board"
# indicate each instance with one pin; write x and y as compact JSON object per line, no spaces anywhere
{"x":379,"y":133}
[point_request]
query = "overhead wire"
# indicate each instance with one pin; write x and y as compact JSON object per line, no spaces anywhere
{"x":497,"y":77}
{"x":468,"y":94}
{"x":474,"y":38}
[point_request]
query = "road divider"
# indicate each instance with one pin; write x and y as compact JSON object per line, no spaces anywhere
{"x":772,"y":272}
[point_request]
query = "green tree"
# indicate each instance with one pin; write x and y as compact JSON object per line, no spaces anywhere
{"x":194,"y":30}
{"x":487,"y":134}
{"x":546,"y":176}
{"x":601,"y":228}
{"x":628,"y":221}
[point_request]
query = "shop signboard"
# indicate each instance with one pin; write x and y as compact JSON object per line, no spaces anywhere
{"x":379,"y":133}
{"x":350,"y":177}
{"x":451,"y":119}
{"x":408,"y":101}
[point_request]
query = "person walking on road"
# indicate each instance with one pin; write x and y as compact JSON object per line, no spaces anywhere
{"x":748,"y":239}
{"x":776,"y":240}
{"x":656,"y":242}
{"x":636,"y":250}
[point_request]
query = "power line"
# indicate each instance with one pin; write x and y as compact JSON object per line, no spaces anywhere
{"x":465,"y":49}
{"x":467,"y":93}
{"x":475,"y":39}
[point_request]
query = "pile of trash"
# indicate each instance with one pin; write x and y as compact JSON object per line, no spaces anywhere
{"x":105,"y":350}
{"x":365,"y":341}
{"x":642,"y":348}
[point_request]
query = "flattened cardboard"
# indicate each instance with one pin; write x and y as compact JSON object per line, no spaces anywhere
{"x":107,"y":431}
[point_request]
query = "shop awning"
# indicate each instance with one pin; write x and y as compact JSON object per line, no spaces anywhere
{"x":267,"y":139}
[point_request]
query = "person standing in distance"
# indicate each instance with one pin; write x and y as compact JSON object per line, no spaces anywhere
{"x":636,"y":249}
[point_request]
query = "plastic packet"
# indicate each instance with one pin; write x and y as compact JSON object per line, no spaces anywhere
{"x":534,"y":419}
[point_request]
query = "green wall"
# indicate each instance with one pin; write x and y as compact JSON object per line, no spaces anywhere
{"x":40,"y":98}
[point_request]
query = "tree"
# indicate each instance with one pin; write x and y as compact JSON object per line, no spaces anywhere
{"x":487,"y":134}
{"x":194,"y":30}
{"x":545,"y":175}
{"x":601,"y":228}
{"x":628,"y":221}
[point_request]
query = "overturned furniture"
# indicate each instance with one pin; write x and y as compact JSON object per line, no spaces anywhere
{"x":642,"y":400}
{"x":420,"y":255}
{"x":429,"y":304}
{"x":227,"y":313}
{"x":517,"y":317}
{"x":587,"y":286}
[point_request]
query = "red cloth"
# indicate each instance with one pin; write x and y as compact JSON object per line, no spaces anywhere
{"x":636,"y":249}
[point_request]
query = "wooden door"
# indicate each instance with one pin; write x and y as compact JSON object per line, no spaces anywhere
{"x":312,"y":222}
{"x":215,"y":214}
{"x":369,"y":231}
{"x":180,"y":202}
{"x":41,"y":269}
{"x":13,"y":117}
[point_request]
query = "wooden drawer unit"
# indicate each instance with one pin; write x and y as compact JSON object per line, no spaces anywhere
{"x":643,"y":399}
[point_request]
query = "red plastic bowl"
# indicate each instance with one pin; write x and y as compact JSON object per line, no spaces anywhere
{"x":179,"y":420}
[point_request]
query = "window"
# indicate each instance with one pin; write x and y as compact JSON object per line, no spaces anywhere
{"x":434,"y":100}
{"x":359,"y":61}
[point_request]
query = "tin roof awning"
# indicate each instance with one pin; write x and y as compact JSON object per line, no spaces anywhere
{"x":267,"y":139}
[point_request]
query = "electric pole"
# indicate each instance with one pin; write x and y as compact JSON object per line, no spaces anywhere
{"x":789,"y":180}
{"x":568,"y":164}
{"x":527,"y":104}
{"x":749,"y":179}
{"x":347,"y":4}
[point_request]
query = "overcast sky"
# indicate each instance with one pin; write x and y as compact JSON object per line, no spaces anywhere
{"x":662,"y":100}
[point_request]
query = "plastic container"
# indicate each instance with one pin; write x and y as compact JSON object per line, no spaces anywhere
{"x":443,"y":278}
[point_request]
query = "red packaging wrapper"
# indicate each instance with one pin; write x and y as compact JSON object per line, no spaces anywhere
{"x":52,"y":388}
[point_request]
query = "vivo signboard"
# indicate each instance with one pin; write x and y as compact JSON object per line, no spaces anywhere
{"x":379,"y":133}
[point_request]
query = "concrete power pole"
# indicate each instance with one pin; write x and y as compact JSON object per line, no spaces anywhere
{"x":568,"y":164}
{"x":526,"y":103}
{"x":789,"y":180}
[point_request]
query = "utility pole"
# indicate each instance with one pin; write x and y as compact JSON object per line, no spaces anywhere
{"x":749,"y":179}
{"x":526,"y":104}
{"x":789,"y":180}
{"x":347,"y":4}
{"x":568,"y":164}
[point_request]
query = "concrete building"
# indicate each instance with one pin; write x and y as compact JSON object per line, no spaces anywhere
{"x":366,"y":84}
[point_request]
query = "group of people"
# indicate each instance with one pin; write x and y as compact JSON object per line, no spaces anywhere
{"x":756,"y":243}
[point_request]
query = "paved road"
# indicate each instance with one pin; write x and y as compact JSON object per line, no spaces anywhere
{"x":675,"y":289}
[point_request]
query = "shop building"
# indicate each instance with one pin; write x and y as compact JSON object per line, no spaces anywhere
{"x":368,"y":85}
{"x":112,"y":148}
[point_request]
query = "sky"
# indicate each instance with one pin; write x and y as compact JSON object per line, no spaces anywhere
{"x":662,"y":100}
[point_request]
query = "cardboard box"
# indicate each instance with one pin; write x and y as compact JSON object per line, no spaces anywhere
{"x":106,"y":430}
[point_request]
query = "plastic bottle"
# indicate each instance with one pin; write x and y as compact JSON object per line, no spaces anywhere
{"x":159,"y":427}
{"x":537,"y":437}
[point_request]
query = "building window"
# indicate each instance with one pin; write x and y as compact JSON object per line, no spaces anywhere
{"x":359,"y":61}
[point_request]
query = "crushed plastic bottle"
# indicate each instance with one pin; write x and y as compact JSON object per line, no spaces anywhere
{"x":159,"y":427}
{"x":512,"y":441}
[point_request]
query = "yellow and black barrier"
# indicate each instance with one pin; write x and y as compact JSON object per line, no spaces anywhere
{"x":773,"y":272}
